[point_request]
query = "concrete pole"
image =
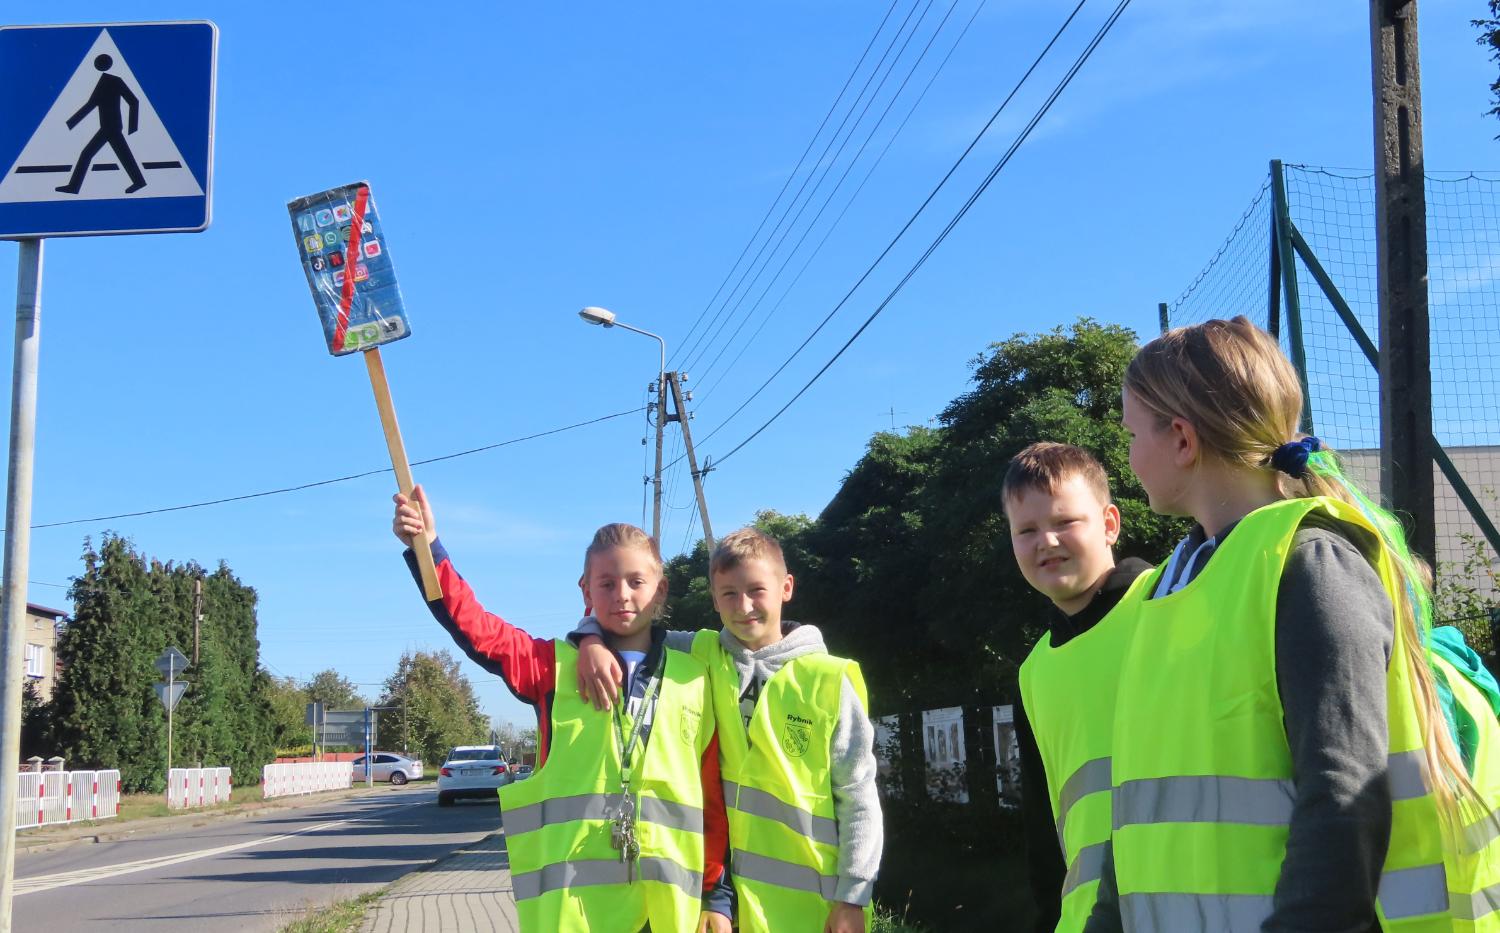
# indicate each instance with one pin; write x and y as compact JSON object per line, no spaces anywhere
{"x":1406,"y":481}
{"x":17,"y":551}
{"x":661,"y":421}
{"x":681,"y":417}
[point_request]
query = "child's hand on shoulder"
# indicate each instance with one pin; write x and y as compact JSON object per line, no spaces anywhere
{"x":845,"y":918}
{"x":599,"y":673}
{"x":711,"y":922}
{"x":413,"y":517}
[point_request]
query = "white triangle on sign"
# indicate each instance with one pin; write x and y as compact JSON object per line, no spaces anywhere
{"x":51,"y":156}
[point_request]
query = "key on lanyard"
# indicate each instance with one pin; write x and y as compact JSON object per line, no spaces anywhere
{"x":622,"y":834}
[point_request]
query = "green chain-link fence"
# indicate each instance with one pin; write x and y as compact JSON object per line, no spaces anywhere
{"x":1326,"y":316}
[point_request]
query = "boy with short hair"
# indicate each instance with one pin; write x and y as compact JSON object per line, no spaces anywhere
{"x":796,"y":748}
{"x":1063,"y":526}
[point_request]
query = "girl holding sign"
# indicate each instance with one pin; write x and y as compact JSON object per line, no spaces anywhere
{"x":623,"y":823}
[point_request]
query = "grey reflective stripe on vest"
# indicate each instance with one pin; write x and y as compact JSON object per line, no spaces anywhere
{"x":1476,"y":906}
{"x":1256,"y":801}
{"x":1191,"y":913}
{"x":1090,"y":778}
{"x":1203,"y":799}
{"x":671,"y":814}
{"x":757,"y":802}
{"x":554,"y":810}
{"x":1480,"y":833}
{"x":1414,"y":892}
{"x":1088,"y":865}
{"x":748,"y":866}
{"x":593,"y":872}
{"x":1406,"y":773}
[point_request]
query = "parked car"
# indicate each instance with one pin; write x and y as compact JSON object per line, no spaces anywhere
{"x":472,"y":771}
{"x":388,"y":766}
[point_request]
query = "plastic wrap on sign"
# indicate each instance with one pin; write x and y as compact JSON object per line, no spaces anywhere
{"x":348,"y":265}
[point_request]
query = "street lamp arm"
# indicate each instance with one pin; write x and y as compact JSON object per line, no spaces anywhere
{"x":647,"y":333}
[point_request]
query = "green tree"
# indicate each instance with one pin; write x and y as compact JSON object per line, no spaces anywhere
{"x":334,"y":691}
{"x":127,"y":610}
{"x":441,"y":708}
{"x":689,"y":604}
{"x":910,"y":567}
{"x":1489,"y":37}
{"x":36,"y":723}
{"x":288,"y":703}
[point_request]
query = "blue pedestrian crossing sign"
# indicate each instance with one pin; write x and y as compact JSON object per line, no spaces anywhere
{"x":106,"y":128}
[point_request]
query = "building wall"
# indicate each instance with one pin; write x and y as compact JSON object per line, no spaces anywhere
{"x":1456,"y":530}
{"x":40,"y":653}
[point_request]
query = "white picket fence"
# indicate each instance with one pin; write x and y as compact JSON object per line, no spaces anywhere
{"x":66,"y":797}
{"x":197,"y":787}
{"x":307,"y":777}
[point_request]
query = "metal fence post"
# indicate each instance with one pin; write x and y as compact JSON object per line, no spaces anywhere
{"x":1281,"y":218}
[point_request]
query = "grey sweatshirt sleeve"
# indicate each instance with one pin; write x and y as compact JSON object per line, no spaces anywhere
{"x":856,"y":803}
{"x":1334,"y":631}
{"x":588,"y":625}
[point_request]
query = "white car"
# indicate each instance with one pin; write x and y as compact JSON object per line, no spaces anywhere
{"x":472,"y":771}
{"x":388,"y":766}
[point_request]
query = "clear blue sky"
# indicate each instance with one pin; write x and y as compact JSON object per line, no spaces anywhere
{"x":529,"y":161}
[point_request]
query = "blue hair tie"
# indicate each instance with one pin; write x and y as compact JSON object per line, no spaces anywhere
{"x":1291,"y":458}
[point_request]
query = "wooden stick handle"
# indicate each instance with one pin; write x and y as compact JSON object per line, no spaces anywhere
{"x":422,"y":546}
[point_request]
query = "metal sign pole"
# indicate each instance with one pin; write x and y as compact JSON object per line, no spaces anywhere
{"x":369,"y":774}
{"x":171,"y":679}
{"x":17,"y":551}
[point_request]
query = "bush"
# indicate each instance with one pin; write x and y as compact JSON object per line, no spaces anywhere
{"x":979,"y":884}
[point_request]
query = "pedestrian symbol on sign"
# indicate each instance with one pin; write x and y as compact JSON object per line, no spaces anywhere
{"x":110,"y":96}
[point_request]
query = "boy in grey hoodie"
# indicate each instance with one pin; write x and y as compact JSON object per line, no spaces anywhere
{"x":817,"y":701}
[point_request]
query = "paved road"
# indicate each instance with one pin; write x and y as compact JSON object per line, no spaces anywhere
{"x":255,"y":874}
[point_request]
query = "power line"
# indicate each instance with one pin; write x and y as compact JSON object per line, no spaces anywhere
{"x":733,"y":338}
{"x":798,"y":167}
{"x":994,"y":172}
{"x":784,"y":226}
{"x":745,"y":345}
{"x":337,"y":479}
{"x":910,"y":221}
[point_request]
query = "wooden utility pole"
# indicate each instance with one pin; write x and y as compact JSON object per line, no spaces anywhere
{"x":681,"y":416}
{"x":1406,"y":437}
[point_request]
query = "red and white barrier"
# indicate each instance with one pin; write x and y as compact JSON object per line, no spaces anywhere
{"x":197,"y":787}
{"x":55,"y":797}
{"x":284,"y":780}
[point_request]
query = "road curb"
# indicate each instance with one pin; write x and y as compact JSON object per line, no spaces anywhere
{"x":158,"y":825}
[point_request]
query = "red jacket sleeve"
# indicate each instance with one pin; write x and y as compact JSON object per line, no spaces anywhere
{"x":527,"y":665}
{"x":715,"y":820}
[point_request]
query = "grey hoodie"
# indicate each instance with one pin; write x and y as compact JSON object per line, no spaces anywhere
{"x":851,"y":749}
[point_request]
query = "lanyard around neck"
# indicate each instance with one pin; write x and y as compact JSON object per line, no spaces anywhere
{"x":628,"y":743}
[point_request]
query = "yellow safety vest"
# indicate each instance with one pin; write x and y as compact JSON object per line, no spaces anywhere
{"x":1069,"y":693}
{"x":778,"y":788}
{"x":1203,"y":784}
{"x":1474,"y":868}
{"x":566,"y":876}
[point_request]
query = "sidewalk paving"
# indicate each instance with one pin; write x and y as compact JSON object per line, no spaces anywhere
{"x":464,"y":891}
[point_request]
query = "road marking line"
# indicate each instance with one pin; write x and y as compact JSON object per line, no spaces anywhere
{"x":64,"y":879}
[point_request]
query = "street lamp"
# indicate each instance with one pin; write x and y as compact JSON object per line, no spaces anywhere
{"x":606,"y":318}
